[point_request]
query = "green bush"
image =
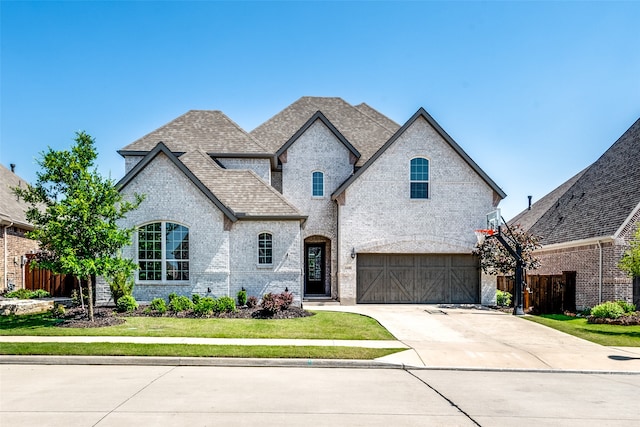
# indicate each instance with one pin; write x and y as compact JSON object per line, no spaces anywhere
{"x":180,"y":303}
{"x":126,"y":303}
{"x":172,"y":295}
{"x":205,"y":306}
{"x":158,"y":305}
{"x":503,"y":299}
{"x":241,"y":296}
{"x":225,"y":305}
{"x":58,"y":310}
{"x":627,"y":307}
{"x":195,"y":298}
{"x":40,"y":293}
{"x":607,"y":310}
{"x":120,"y":284}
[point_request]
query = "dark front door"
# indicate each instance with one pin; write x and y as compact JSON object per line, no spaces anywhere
{"x":314,"y":255}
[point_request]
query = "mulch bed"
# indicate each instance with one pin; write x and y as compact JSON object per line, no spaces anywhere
{"x":76,"y":317}
{"x":629,"y":320}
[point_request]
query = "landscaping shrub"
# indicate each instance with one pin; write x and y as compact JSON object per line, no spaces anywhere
{"x":503,"y":299}
{"x":158,"y":305}
{"x":252,"y":302}
{"x":58,"y":310}
{"x":627,"y":307}
{"x":608,"y":310}
{"x":27,"y":294}
{"x":126,"y":303}
{"x":241,"y":296}
{"x":205,"y":306}
{"x":172,"y":295}
{"x":120,"y":284}
{"x":196,"y":298}
{"x":273,"y":303}
{"x":180,"y":303}
{"x":225,"y":305}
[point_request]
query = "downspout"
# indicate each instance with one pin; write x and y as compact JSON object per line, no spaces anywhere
{"x":4,"y":235}
{"x":599,"y":272}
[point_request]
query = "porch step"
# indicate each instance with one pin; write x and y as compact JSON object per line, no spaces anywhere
{"x":320,"y":301}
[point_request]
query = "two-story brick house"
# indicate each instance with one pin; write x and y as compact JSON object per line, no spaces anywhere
{"x":326,"y":199}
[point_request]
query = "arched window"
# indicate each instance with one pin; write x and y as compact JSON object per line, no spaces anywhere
{"x":163,"y":252}
{"x":265,"y":249}
{"x":419,"y":178}
{"x":317,"y":182}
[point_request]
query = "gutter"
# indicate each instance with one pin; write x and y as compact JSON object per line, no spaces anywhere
{"x":599,"y":272}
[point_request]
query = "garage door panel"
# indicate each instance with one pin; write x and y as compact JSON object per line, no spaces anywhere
{"x":427,"y":278}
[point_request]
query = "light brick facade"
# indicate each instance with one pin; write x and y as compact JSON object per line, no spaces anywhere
{"x":14,"y":245}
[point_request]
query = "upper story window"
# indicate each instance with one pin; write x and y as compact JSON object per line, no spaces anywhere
{"x":265,"y":249}
{"x":317,"y":183}
{"x":163,"y":252}
{"x":419,"y":178}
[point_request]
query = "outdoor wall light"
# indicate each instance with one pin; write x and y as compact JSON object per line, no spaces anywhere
{"x":353,"y":253}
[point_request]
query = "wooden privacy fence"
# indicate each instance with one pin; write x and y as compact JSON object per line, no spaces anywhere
{"x":545,"y":294}
{"x":58,"y":285}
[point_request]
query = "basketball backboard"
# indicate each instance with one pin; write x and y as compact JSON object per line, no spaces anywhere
{"x":494,"y":220}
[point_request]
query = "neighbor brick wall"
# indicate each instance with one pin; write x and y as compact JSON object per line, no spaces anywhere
{"x":17,"y":245}
{"x":585,"y":261}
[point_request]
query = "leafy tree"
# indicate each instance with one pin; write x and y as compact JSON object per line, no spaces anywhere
{"x":74,"y":211}
{"x":630,"y":261}
{"x":495,"y":259}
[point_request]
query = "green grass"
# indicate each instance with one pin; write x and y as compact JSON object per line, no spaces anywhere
{"x":323,"y":325}
{"x":181,"y":350}
{"x":609,"y":335}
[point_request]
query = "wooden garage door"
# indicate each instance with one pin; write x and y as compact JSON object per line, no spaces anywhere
{"x":427,"y":279}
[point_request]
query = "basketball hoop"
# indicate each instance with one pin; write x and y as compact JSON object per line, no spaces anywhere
{"x":482,"y":234}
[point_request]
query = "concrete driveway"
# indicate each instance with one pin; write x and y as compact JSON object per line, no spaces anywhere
{"x":486,"y":339}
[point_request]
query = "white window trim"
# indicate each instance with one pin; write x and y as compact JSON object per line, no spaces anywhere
{"x":323,"y":184}
{"x":163,"y":260}
{"x":258,"y":263}
{"x":428,"y":181}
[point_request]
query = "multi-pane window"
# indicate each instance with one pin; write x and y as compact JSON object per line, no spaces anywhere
{"x":163,"y":252}
{"x":419,"y":178}
{"x":317,"y":182}
{"x":265,"y":249}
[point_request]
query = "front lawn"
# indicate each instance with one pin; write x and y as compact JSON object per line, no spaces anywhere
{"x":609,"y":335}
{"x":323,"y":325}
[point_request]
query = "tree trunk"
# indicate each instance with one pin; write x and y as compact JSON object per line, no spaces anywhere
{"x":90,"y":297}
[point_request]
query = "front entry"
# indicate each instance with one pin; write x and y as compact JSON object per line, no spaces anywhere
{"x":315,"y":263}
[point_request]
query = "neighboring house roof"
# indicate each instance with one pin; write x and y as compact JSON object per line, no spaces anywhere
{"x":527,"y":218}
{"x":358,"y":125}
{"x":423,"y":114}
{"x":210,"y":131}
{"x":239,"y":194}
{"x":603,"y":198}
{"x":12,"y":209}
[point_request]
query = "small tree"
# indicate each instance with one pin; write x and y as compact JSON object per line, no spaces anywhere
{"x":630,"y":261}
{"x":495,"y":259}
{"x":75,"y":211}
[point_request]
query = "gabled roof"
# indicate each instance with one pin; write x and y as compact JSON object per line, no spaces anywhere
{"x":12,"y":209}
{"x":527,"y":218}
{"x":601,"y":200}
{"x":210,"y":131}
{"x":421,"y":113}
{"x":363,"y":132}
{"x":239,"y":194}
{"x":321,"y":117}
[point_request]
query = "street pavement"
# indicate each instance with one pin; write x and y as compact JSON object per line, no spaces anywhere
{"x":460,"y":367}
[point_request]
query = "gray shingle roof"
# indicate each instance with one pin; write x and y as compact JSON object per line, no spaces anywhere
{"x":366,"y":133}
{"x":601,"y":199}
{"x":210,"y":131}
{"x":240,"y":190}
{"x":527,"y":218}
{"x":12,"y":209}
{"x":237,"y":193}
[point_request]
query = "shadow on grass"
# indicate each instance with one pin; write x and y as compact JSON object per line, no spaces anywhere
{"x":616,"y":333}
{"x":42,"y":320}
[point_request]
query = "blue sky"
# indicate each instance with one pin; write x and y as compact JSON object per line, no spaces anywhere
{"x":533,"y":91}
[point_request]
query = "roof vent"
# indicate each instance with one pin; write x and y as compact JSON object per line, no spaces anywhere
{"x":13,"y":167}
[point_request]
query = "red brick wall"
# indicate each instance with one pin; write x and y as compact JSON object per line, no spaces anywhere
{"x":585,"y":261}
{"x":17,"y":245}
